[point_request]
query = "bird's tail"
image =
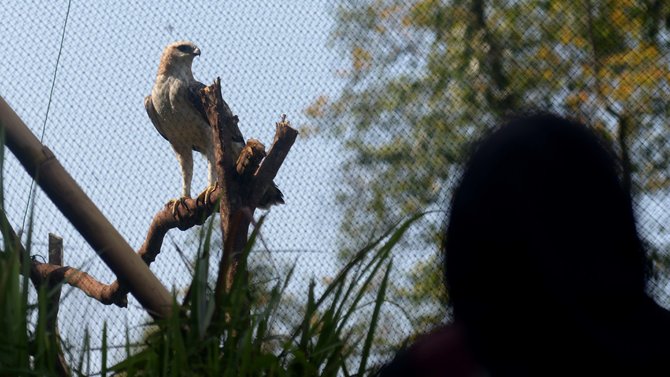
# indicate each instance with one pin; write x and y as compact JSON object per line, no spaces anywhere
{"x":272,"y":196}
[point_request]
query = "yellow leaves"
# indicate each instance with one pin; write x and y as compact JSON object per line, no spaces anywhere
{"x":636,"y":56}
{"x":412,"y":18}
{"x":388,"y":14}
{"x":625,"y":89}
{"x":619,"y":18}
{"x":422,"y":13}
{"x":650,"y":52}
{"x":315,"y":110}
{"x":634,"y":26}
{"x":390,"y":11}
{"x":583,"y":96}
{"x":560,"y":7}
{"x":626,"y":3}
{"x":568,"y":36}
{"x":576,"y":100}
{"x":543,"y":53}
{"x":546,"y":54}
{"x":637,"y":69}
{"x":548,"y":64}
{"x":657,"y":74}
{"x":656,"y":180}
{"x":361,"y":58}
{"x":625,"y":15}
{"x":579,"y":42}
{"x":318,"y":108}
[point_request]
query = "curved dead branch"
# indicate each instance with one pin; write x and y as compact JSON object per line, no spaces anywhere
{"x":189,"y":214}
{"x":193,"y":212}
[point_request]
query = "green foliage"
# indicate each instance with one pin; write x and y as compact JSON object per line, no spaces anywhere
{"x":425,"y":292}
{"x":24,"y":349}
{"x":245,"y":342}
{"x":424,"y":78}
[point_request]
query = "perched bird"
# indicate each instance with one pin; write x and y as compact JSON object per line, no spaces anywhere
{"x":176,"y":112}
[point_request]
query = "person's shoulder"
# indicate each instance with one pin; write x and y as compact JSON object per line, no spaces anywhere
{"x":441,"y":352}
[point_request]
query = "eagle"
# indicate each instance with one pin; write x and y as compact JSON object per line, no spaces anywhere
{"x":177,"y":113}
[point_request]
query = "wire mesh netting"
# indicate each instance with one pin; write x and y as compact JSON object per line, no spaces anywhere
{"x":387,"y":95}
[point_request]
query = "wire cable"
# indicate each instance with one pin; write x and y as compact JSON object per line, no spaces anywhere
{"x":46,"y":116}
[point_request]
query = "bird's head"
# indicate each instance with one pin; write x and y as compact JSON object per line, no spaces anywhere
{"x":179,"y":55}
{"x":182,"y":50}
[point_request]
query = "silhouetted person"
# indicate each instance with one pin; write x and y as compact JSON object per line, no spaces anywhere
{"x":545,"y":271}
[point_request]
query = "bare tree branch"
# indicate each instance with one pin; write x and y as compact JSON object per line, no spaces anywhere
{"x":285,"y":136}
{"x":56,"y":274}
{"x":194,"y":212}
{"x":234,"y":231}
{"x":241,"y":191}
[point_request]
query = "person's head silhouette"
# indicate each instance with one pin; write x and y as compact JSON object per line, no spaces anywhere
{"x":544,"y":266}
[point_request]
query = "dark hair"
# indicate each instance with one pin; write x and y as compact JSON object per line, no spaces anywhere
{"x":541,"y":244}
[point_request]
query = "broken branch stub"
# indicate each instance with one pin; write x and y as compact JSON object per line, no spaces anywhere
{"x":285,"y":136}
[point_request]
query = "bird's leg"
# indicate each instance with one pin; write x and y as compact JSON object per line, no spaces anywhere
{"x":212,"y":182}
{"x":211,"y":167}
{"x":185,"y":158}
{"x":186,"y":163}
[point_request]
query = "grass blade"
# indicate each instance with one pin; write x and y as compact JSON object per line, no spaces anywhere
{"x":373,"y":321}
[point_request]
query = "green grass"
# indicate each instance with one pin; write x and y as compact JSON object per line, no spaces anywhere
{"x":24,"y":349}
{"x":328,"y":339}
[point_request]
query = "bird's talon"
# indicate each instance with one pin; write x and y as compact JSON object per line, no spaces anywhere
{"x":183,"y":202}
{"x":175,"y":203}
{"x":205,"y":195}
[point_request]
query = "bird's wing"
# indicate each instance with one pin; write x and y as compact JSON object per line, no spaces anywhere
{"x":153,"y":115}
{"x":194,"y":98}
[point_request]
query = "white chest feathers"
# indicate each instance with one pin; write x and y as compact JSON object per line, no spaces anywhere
{"x":180,"y":122}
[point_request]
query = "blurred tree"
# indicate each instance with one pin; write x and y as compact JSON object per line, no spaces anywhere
{"x":424,"y":78}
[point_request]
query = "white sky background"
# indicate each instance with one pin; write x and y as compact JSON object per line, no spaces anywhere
{"x":272,"y":58}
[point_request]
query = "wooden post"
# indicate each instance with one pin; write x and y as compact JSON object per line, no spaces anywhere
{"x":56,"y":258}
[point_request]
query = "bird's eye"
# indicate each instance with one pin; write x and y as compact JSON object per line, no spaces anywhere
{"x":185,"y":49}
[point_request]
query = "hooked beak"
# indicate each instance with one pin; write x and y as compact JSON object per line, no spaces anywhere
{"x":196,"y":51}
